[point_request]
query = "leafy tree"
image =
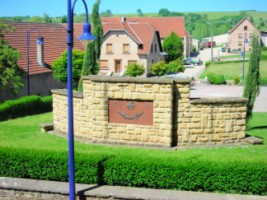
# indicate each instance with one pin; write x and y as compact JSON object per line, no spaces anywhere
{"x":36,"y":19}
{"x":59,"y":66}
{"x":173,"y":45}
{"x":252,"y":81}
{"x":47,"y":18}
{"x":10,"y":73}
{"x":64,"y":19}
{"x":201,"y":31}
{"x":164,"y":12}
{"x":139,"y":12}
{"x":81,"y":18}
{"x":106,"y":13}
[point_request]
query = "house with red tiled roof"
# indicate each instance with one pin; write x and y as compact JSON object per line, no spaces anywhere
{"x":125,"y":43}
{"x":240,"y":33}
{"x":165,"y":25}
{"x":55,"y":43}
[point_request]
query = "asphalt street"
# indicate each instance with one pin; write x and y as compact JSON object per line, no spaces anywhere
{"x":204,"y":90}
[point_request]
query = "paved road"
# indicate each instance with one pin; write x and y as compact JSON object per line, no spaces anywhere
{"x":201,"y":90}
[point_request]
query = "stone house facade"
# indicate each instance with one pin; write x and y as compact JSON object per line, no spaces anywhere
{"x":125,"y":43}
{"x":239,"y":37}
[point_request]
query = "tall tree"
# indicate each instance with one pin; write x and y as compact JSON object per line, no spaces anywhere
{"x":173,"y":46}
{"x":97,"y":28}
{"x":10,"y":73}
{"x":90,"y":65}
{"x":252,"y":81}
{"x":92,"y":53}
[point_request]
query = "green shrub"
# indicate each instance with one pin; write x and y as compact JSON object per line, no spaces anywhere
{"x":216,"y":79}
{"x":160,"y":68}
{"x":236,"y":80}
{"x":48,"y":165}
{"x":134,"y":70}
{"x":186,"y":175}
{"x":28,"y":105}
{"x":175,"y":66}
{"x":207,"y":64}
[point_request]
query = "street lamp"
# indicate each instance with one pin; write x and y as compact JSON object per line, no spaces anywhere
{"x":40,"y":43}
{"x":244,"y":54}
{"x":211,"y":46}
{"x":85,"y":36}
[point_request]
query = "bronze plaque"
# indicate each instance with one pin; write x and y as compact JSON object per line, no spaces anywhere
{"x":131,"y":112}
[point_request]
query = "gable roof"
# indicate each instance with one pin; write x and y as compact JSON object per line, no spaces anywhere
{"x":141,"y":33}
{"x":165,"y":25}
{"x":239,"y":23}
{"x":55,"y":42}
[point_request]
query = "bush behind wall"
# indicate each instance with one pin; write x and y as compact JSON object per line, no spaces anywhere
{"x":28,"y":105}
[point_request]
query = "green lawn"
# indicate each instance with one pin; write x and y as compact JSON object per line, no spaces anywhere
{"x":231,"y":69}
{"x":25,"y":133}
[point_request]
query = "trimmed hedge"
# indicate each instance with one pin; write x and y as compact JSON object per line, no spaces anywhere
{"x":138,"y":171}
{"x":48,"y":165}
{"x":242,"y":178}
{"x":28,"y":105}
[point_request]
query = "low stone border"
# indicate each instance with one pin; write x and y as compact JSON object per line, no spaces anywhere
{"x":25,"y":189}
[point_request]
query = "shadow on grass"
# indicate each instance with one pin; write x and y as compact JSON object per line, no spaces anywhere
{"x":258,"y":127}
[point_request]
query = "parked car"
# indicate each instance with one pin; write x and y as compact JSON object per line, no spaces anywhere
{"x":187,"y":61}
{"x":223,"y":49}
{"x":236,"y":51}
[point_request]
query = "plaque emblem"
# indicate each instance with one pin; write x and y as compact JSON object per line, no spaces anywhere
{"x":130,"y":105}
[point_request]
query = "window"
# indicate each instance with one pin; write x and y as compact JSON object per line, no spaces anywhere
{"x":132,"y":62}
{"x":155,"y":48}
{"x":126,"y":48}
{"x":109,"y":48}
{"x":240,"y":36}
{"x":245,"y":28}
{"x":240,"y":43}
{"x":151,"y":48}
{"x":250,"y":36}
{"x":103,"y":64}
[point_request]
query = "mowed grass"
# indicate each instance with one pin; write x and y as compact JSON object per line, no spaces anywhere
{"x":24,"y":133}
{"x":232,"y":69}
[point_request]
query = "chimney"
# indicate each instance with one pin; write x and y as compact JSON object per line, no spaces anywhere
{"x":40,"y":51}
{"x":123,"y":19}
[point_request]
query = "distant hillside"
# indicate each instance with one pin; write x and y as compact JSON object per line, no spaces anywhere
{"x":196,"y":22}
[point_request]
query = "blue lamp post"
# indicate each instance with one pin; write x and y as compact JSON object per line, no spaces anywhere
{"x":85,"y":36}
{"x":40,"y":41}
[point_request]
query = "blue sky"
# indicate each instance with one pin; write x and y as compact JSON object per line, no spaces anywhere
{"x":59,"y":7}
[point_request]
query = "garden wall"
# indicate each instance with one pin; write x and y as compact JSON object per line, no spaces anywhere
{"x":151,"y":112}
